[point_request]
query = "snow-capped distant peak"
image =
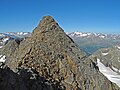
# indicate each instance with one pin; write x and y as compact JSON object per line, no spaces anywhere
{"x":95,"y":35}
{"x":78,"y":33}
{"x":20,"y":33}
{"x":6,"y":37}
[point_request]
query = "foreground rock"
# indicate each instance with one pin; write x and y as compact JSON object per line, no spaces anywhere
{"x":24,"y":79}
{"x":55,"y":57}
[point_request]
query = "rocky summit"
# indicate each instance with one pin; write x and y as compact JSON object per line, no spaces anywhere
{"x":50,"y":60}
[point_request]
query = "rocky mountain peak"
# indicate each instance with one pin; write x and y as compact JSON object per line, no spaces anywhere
{"x":54,"y":56}
{"x":50,"y":52}
{"x":47,"y":23}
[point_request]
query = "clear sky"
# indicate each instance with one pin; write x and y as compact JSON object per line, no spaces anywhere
{"x":72,"y":15}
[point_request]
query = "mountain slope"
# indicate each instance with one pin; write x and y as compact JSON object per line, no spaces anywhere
{"x":108,"y":62}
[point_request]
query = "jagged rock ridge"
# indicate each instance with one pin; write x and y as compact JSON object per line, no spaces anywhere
{"x":55,"y":56}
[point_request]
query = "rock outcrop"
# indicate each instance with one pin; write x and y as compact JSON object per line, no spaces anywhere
{"x":56,"y":58}
{"x":24,"y":79}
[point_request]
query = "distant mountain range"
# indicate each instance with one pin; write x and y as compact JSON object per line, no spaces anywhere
{"x":6,"y":37}
{"x":91,"y":42}
{"x":94,"y":35}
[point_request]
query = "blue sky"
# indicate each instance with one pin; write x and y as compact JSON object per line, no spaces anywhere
{"x":72,"y":15}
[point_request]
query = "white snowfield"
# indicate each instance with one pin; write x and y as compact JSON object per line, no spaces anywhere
{"x":2,"y":58}
{"x":109,"y":73}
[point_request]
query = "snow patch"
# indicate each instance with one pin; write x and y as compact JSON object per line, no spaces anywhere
{"x":118,"y":47}
{"x":109,"y":73}
{"x":2,"y":58}
{"x":5,"y":40}
{"x":1,"y":46}
{"x":104,"y":54}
